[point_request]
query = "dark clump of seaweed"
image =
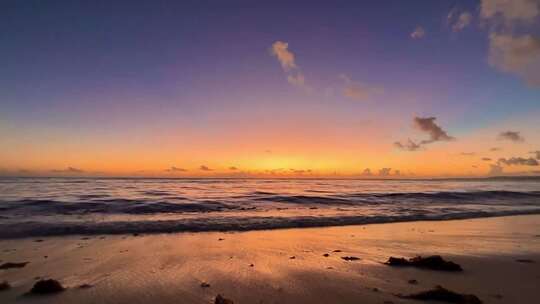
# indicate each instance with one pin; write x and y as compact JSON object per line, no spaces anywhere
{"x":443,"y":295}
{"x":47,"y":286}
{"x":4,"y":286}
{"x":434,"y":262}
{"x":221,"y":300}
{"x":9,"y":265}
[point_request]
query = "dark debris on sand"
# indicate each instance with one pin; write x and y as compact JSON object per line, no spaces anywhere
{"x":524,"y":261}
{"x":221,"y":300}
{"x":350,"y":258}
{"x":413,"y":282}
{"x":85,"y":286}
{"x":205,"y":285}
{"x":47,"y":287}
{"x":4,"y":286}
{"x":9,"y":265}
{"x":443,"y":295}
{"x":434,"y":262}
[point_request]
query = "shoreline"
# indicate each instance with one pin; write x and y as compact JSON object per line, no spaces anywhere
{"x":34,"y":229}
{"x":170,"y":268}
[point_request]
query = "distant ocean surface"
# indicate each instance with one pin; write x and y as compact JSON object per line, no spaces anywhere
{"x":63,"y":206}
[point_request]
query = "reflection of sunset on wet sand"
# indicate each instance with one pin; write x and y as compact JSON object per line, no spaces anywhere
{"x":256,"y":267}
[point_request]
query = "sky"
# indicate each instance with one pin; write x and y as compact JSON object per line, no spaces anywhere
{"x":270,"y":88}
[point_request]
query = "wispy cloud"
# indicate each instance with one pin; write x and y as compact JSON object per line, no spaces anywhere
{"x":287,"y":59}
{"x":233,"y":168}
{"x":486,"y":159}
{"x":418,"y":33}
{"x":513,"y":136}
{"x":358,"y":90}
{"x":175,"y":169}
{"x":536,"y":153}
{"x":518,"y":161}
{"x":69,"y":170}
{"x":458,"y":21}
{"x":205,"y":168}
{"x":467,"y":153}
{"x":300,"y":171}
{"x":280,"y":49}
{"x":409,"y":145}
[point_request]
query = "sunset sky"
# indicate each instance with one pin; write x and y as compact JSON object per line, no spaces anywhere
{"x":270,"y":88}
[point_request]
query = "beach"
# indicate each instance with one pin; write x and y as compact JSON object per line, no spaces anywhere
{"x":500,"y":258}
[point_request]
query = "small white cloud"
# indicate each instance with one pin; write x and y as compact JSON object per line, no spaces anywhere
{"x":461,"y":22}
{"x":286,"y":58}
{"x":280,"y":49}
{"x":418,"y":33}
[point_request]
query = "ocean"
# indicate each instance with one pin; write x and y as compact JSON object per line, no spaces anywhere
{"x":32,"y":207}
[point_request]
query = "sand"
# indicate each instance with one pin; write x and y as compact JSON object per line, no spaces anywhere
{"x":256,"y":267}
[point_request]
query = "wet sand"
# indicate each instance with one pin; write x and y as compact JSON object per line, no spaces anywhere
{"x":500,"y":257}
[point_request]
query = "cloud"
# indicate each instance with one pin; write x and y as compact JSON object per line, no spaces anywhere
{"x":518,"y":161}
{"x":418,"y":33}
{"x":486,"y":159}
{"x":300,"y":171}
{"x":494,"y":149}
{"x":459,"y":22}
{"x":428,"y":126}
{"x":495,"y":170}
{"x":537,"y":154}
{"x":512,"y":51}
{"x":385,"y":171}
{"x":69,"y":170}
{"x":367,"y":172}
{"x":205,"y":168}
{"x":511,"y":136}
{"x":297,"y":80}
{"x":519,"y":55}
{"x":467,"y":153}
{"x":285,"y":57}
{"x":233,"y":168}
{"x":409,"y":145}
{"x":435,"y":132}
{"x":359,"y":91}
{"x":175,"y":169}
{"x":510,"y":11}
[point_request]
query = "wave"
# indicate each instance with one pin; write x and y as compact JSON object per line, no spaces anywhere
{"x":109,"y":206}
{"x":34,"y":228}
{"x":404,"y":197}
